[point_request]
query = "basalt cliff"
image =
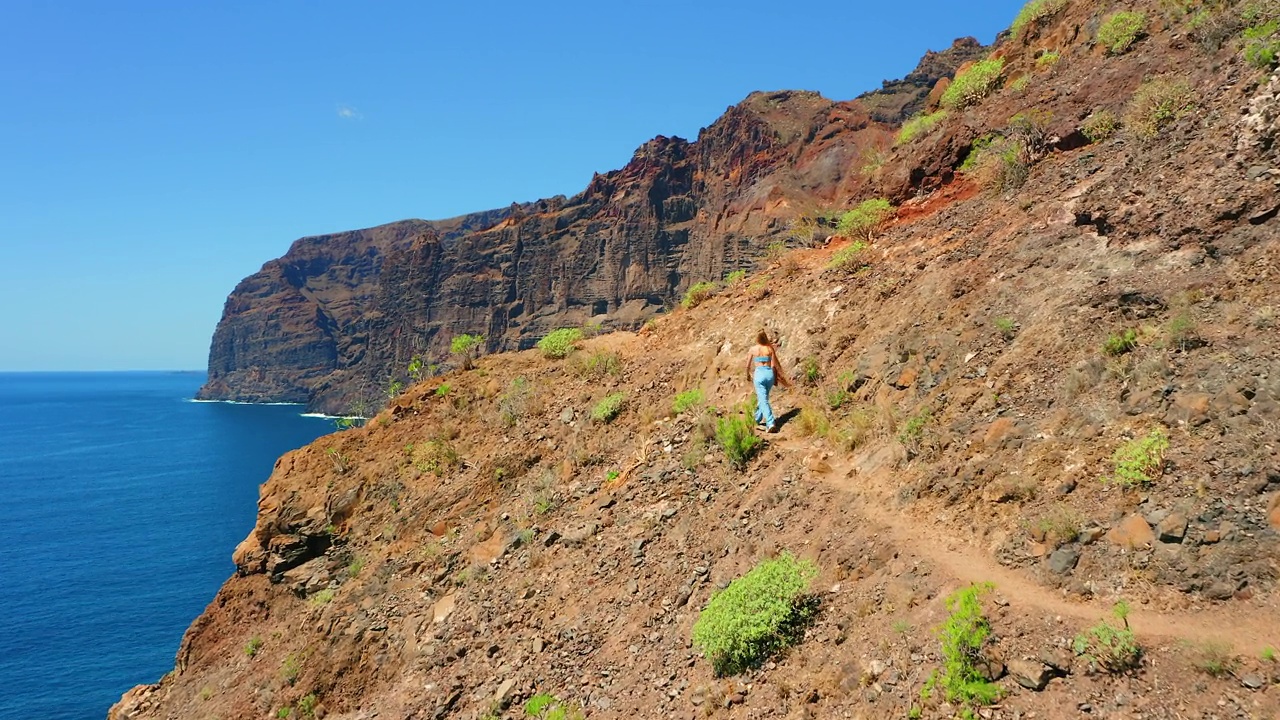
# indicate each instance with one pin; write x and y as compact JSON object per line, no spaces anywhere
{"x":338,"y":317}
{"x":1032,"y":450}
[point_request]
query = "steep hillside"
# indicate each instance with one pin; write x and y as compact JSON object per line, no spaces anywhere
{"x":324,"y":325}
{"x":968,"y":385}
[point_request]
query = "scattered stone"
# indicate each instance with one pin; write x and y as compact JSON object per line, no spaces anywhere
{"x":1030,"y":674}
{"x":1189,"y":409}
{"x":1133,"y":532}
{"x":538,"y":645}
{"x":566,"y":415}
{"x":1063,"y":560}
{"x":1221,"y":591}
{"x":502,"y":698}
{"x":1173,"y":528}
{"x":550,"y":538}
{"x":1001,"y":433}
{"x":1091,"y":535}
{"x":1057,"y":658}
{"x":443,"y":608}
{"x":1066,"y":488}
{"x":1253,"y":681}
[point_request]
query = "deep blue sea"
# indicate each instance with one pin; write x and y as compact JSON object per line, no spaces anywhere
{"x":120,"y":504}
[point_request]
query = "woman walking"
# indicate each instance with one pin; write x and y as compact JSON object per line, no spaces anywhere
{"x":764,"y":369}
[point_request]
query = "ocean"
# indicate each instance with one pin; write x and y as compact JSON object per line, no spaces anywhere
{"x":121,"y":503}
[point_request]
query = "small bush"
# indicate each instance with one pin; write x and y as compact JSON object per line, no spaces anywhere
{"x":513,"y":403}
{"x":757,"y":615}
{"x":963,"y":635}
{"x":465,"y":347}
{"x":862,"y":221}
{"x":443,"y":390}
{"x":1156,"y":105}
{"x":912,"y":434}
{"x":810,"y":372}
{"x":608,"y":408}
{"x":252,"y":647}
{"x":1215,"y":658}
{"x":1007,"y":327}
{"x":685,"y":400}
{"x":1120,"y":30}
{"x":1141,"y":460}
{"x":813,"y":422}
{"x":1262,"y":44}
{"x":1100,"y":125}
{"x":545,"y":706}
{"x":1110,"y":648}
{"x":598,"y":364}
{"x":971,"y":86}
{"x":1034,"y":12}
{"x":698,"y":294}
{"x":1048,"y":59}
{"x":307,"y":705}
{"x":1120,"y":343}
{"x":918,"y":126}
{"x":848,"y":258}
{"x":735,"y":277}
{"x":324,"y":597}
{"x":437,"y":456}
{"x":1020,"y":83}
{"x":737,"y":439}
{"x":559,"y":343}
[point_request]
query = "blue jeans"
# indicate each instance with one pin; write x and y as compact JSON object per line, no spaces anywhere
{"x":763,"y":379}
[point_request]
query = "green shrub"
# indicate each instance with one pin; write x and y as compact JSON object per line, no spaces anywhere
{"x":1100,"y":125}
{"x":559,"y":343}
{"x":810,"y":372}
{"x":757,"y":615}
{"x":685,"y":400}
{"x":912,"y":434}
{"x":971,"y":86}
{"x":1048,"y":59}
{"x":1156,"y":105}
{"x":307,"y":705}
{"x":698,"y":294}
{"x":252,"y":647}
{"x":598,"y":364}
{"x":545,"y":706}
{"x":443,"y":390}
{"x":918,"y":126}
{"x":735,"y":277}
{"x":1141,"y":460}
{"x":848,"y":258}
{"x":1262,"y":44}
{"x":355,"y":567}
{"x":1215,"y":658}
{"x":290,"y":668}
{"x":1107,"y":647}
{"x":466,"y":346}
{"x":1007,"y":327}
{"x":1120,"y":30}
{"x":1020,"y":83}
{"x":963,"y":635}
{"x":514,"y":401}
{"x":862,"y":221}
{"x":608,"y":408}
{"x":1120,"y":343}
{"x":737,"y":439}
{"x":324,"y":597}
{"x":1034,"y":12}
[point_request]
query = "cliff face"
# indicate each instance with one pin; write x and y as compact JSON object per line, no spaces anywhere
{"x":338,"y":316}
{"x":968,"y":410}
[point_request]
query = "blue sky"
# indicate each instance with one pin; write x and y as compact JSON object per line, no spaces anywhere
{"x":155,"y":153}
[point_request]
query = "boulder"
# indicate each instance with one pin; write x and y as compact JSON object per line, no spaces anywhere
{"x":1132,"y":532}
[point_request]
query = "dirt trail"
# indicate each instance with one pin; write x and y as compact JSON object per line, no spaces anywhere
{"x":1250,"y":627}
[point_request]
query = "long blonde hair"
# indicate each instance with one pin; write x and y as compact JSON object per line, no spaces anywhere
{"x":762,"y":338}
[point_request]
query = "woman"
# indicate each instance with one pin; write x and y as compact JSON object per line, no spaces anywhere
{"x":764,"y":368}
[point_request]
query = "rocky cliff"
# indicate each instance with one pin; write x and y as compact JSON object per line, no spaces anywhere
{"x":339,"y":316}
{"x":1052,"y":374}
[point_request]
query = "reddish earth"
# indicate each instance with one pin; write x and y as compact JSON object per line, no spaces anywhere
{"x":482,"y":539}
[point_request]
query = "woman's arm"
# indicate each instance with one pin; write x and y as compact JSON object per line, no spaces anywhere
{"x":777,"y":368}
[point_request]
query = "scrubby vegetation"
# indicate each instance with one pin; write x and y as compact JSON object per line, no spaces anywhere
{"x":863,"y":220}
{"x":608,"y":408}
{"x":686,"y":400}
{"x":735,"y":436}
{"x":1156,"y":105}
{"x":1120,"y":30}
{"x":971,"y":86}
{"x":698,"y":294}
{"x":963,"y":636}
{"x":919,"y":126}
{"x":559,"y":343}
{"x":1141,"y":460}
{"x":1034,"y":12}
{"x":1110,"y":648}
{"x":465,"y":347}
{"x":756,"y":615}
{"x":1100,"y":125}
